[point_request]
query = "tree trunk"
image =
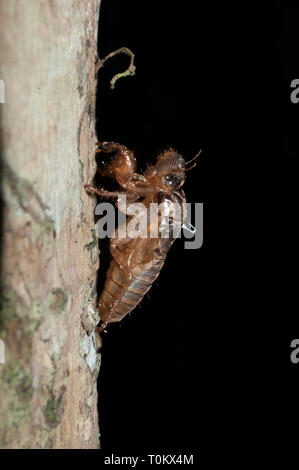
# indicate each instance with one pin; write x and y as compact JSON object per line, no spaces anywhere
{"x":49,"y":252}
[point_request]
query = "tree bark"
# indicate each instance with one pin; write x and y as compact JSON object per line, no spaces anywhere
{"x":50,"y":256}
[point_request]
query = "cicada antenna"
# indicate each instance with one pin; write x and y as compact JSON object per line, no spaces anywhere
{"x":192,"y":160}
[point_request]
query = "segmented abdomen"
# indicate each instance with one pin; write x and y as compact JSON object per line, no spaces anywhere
{"x":121,"y":294}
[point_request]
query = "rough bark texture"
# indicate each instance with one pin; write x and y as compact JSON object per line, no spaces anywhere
{"x":48,"y":395}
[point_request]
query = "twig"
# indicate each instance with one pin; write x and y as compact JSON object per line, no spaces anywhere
{"x":129,"y":71}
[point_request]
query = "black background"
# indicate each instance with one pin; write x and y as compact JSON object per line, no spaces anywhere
{"x":207,"y":355}
{"x":286,"y":238}
{"x":155,"y":382}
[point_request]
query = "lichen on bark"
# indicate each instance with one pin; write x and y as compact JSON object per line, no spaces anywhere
{"x":48,"y":290}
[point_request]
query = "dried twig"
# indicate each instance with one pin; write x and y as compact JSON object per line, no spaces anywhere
{"x":129,"y":71}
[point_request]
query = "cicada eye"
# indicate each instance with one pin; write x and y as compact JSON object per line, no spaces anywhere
{"x":172,"y":180}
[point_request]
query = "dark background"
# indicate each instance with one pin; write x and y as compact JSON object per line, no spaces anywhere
{"x":286,"y":208}
{"x":154,"y":379}
{"x":208,"y":353}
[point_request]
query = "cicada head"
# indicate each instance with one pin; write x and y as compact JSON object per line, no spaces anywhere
{"x":168,"y":173}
